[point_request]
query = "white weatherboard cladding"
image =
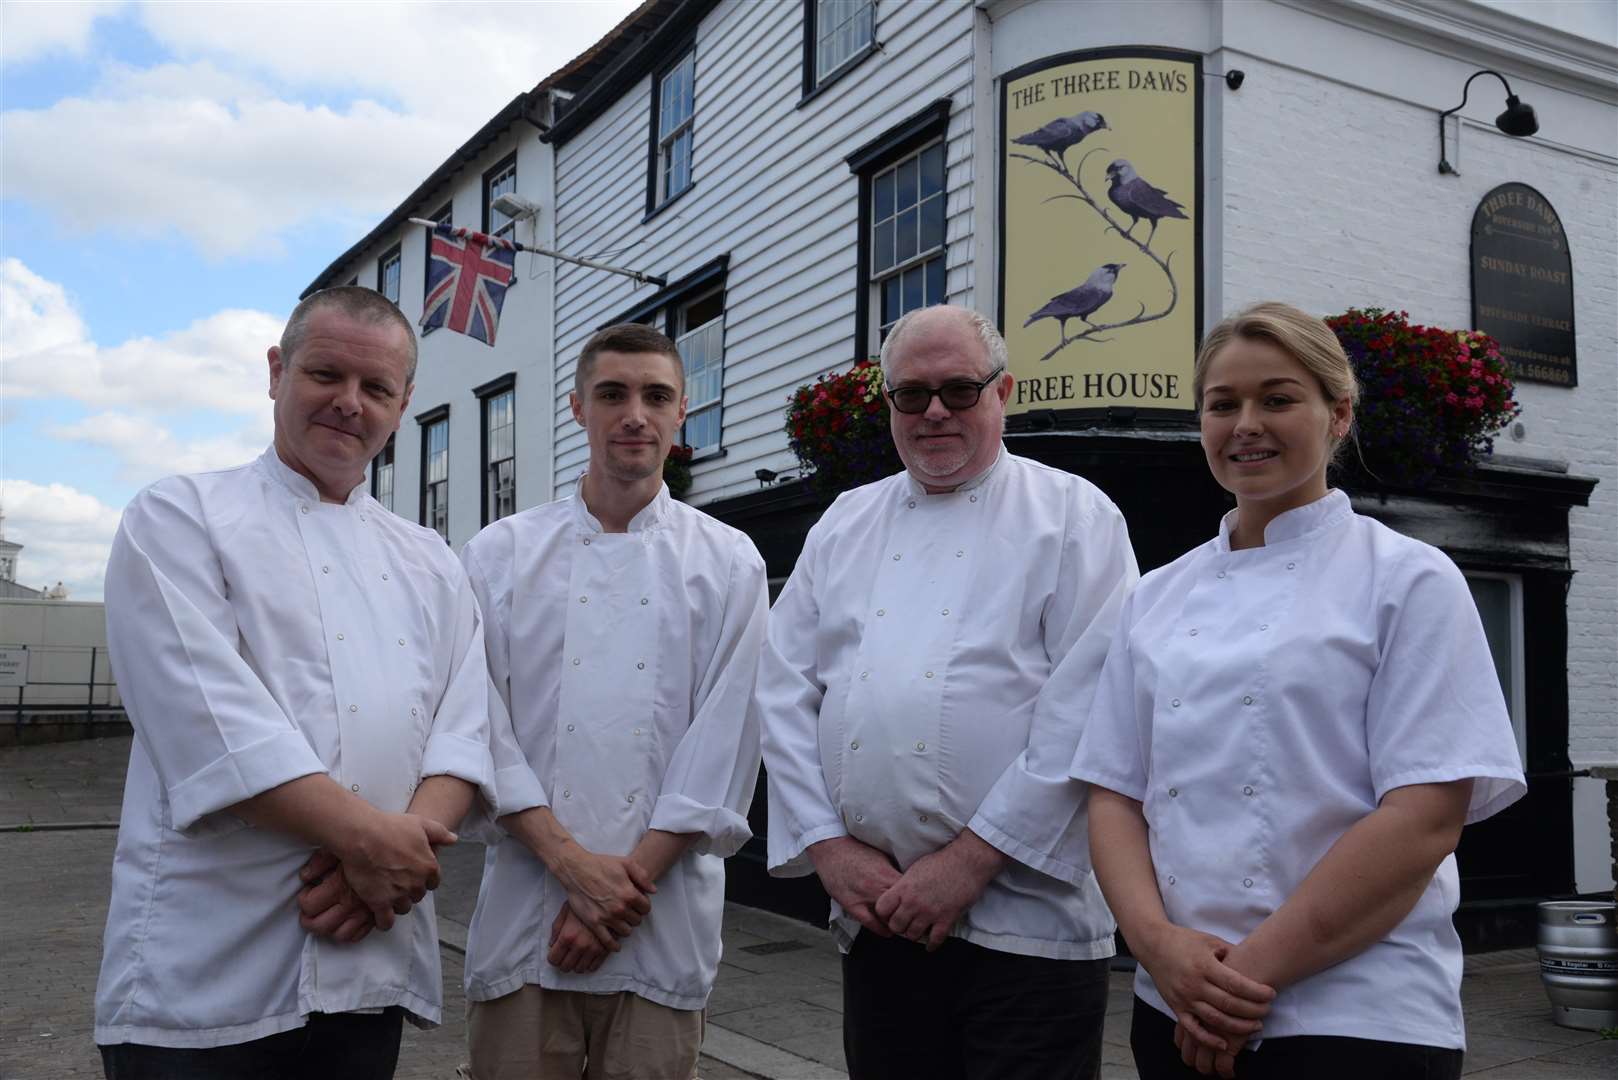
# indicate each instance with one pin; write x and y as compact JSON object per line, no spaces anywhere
{"x":452,"y":364}
{"x":771,"y":189}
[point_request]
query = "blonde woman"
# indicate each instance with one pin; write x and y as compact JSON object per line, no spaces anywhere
{"x":1294,"y":722}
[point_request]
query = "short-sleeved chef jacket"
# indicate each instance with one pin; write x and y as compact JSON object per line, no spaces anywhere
{"x":258,"y":635}
{"x":929,"y":665}
{"x":626,"y":662}
{"x":1260,"y":702}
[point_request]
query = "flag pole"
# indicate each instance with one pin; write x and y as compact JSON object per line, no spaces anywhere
{"x":640,"y":278}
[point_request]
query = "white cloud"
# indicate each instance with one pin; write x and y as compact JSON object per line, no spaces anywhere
{"x":65,"y":534}
{"x":150,"y":451}
{"x":203,"y":146}
{"x":216,"y":363}
{"x":34,"y":29}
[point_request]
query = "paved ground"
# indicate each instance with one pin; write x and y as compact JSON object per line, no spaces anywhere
{"x":775,"y":1012}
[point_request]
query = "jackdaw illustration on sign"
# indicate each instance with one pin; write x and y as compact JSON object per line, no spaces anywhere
{"x":1057,"y":136}
{"x":1082,"y":302}
{"x":1139,"y":199}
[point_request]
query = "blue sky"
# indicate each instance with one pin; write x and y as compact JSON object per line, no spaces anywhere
{"x":173,"y":175}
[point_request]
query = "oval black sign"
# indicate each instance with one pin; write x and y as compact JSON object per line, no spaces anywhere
{"x":1522,"y":284}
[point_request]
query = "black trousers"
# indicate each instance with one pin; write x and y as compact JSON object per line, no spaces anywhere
{"x":969,"y":1013}
{"x":1296,"y":1057}
{"x":331,"y":1046}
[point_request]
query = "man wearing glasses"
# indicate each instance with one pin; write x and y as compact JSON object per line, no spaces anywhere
{"x":929,"y":665}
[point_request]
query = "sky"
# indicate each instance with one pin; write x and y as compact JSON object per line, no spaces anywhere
{"x":172,"y":175}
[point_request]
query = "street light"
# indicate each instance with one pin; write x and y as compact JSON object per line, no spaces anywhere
{"x":1518,"y":120}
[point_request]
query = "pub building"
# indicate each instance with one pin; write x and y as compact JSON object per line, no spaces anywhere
{"x":1106,"y":180}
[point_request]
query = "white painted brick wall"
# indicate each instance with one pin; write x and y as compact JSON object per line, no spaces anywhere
{"x":1333,"y":200}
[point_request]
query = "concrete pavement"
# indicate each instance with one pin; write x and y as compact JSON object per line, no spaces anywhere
{"x":775,"y":1011}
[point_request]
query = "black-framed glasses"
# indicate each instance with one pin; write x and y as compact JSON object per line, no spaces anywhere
{"x":956,"y":396}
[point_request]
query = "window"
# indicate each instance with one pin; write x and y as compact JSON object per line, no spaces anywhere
{"x":1499,"y":601}
{"x":435,"y":470}
{"x":837,"y":35}
{"x":901,"y":256}
{"x":498,"y":400}
{"x":387,"y":274}
{"x":443,"y":217}
{"x":672,"y":110}
{"x":496,"y":182}
{"x":699,"y":332}
{"x":382,"y":475}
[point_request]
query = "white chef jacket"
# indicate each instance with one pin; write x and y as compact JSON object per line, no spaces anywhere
{"x":1260,"y":702}
{"x":258,"y":635}
{"x":626,"y":663}
{"x":929,"y":665}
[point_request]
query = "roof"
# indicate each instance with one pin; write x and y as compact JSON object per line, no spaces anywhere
{"x":572,"y":79}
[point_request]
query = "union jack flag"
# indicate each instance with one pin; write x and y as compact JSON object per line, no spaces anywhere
{"x":467,"y":277}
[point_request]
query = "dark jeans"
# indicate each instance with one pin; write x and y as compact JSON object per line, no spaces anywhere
{"x":1317,"y":1057}
{"x":331,"y":1046}
{"x":969,"y":1013}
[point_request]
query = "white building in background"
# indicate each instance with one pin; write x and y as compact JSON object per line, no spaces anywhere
{"x":801,"y":172}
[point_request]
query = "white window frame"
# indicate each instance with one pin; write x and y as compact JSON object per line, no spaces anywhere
{"x":383,"y":473}
{"x":1516,"y":701}
{"x":712,"y":334}
{"x":917,"y":260}
{"x":394,"y":258}
{"x":670,"y":132}
{"x":857,"y":48}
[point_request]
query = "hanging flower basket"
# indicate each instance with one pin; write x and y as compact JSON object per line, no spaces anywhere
{"x":1431,"y":399}
{"x":677,"y":471}
{"x":838,"y":427}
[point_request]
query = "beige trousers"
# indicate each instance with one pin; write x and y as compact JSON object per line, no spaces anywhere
{"x":539,"y":1034}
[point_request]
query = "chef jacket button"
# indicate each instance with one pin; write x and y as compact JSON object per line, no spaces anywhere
{"x":1220,"y":574}
{"x":401,"y":641}
{"x":384,"y":577}
{"x":1175,"y":703}
{"x":1263,"y":626}
{"x":412,"y":786}
{"x":944,"y":612}
{"x":570,"y":727}
{"x":584,"y":599}
{"x":353,"y":708}
{"x":911,"y":504}
{"x":881,"y":611}
{"x":339,"y":637}
{"x":1248,"y":790}
{"x":629,"y":798}
{"x":896,"y":556}
{"x":855,"y":745}
{"x":575,"y":661}
{"x":1247,"y":883}
{"x":325,"y":569}
{"x":353,"y":787}
{"x":412,"y":712}
{"x":960,"y":554}
{"x":1247,"y":700}
{"x":865,"y":674}
{"x":971,"y":498}
{"x":922,"y":818}
{"x":303,"y":509}
{"x":921,"y":746}
{"x":637,"y":731}
{"x":859,"y":817}
{"x":1193,"y":631}
{"x":640,"y":665}
{"x":1292,"y":566}
{"x":644,"y":601}
{"x":586,"y":541}
{"x":567,"y":793}
{"x":929,"y":674}
{"x":1174,"y":793}
{"x":1171,"y":879}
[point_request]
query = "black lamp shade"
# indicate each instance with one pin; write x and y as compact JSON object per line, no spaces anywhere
{"x":1518,"y":119}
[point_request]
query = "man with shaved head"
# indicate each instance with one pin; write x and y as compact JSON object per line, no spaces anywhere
{"x":929,"y":665}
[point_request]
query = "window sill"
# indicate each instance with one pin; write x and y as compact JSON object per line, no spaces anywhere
{"x":666,"y":203}
{"x":709,"y":455}
{"x":848,"y":65}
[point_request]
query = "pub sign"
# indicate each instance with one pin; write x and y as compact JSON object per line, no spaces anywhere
{"x":1522,"y":284}
{"x":1101,"y":230}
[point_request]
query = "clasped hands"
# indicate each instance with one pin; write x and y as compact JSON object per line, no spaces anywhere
{"x":924,"y":902}
{"x":386,"y":869}
{"x":1217,"y":1009}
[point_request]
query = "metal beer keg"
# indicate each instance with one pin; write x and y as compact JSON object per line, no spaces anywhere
{"x":1578,"y":962}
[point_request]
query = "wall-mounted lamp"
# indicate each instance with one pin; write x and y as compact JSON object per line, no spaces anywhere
{"x":1517,"y":121}
{"x":1233,"y":78}
{"x":765,"y":476}
{"x":514,"y":206}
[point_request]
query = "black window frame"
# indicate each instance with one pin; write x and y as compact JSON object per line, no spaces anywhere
{"x":654,"y":145}
{"x":813,"y":85}
{"x":393,"y":254}
{"x":491,"y":176}
{"x":390,"y":451}
{"x":908,"y":136}
{"x":502,"y":384}
{"x":424,"y":421}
